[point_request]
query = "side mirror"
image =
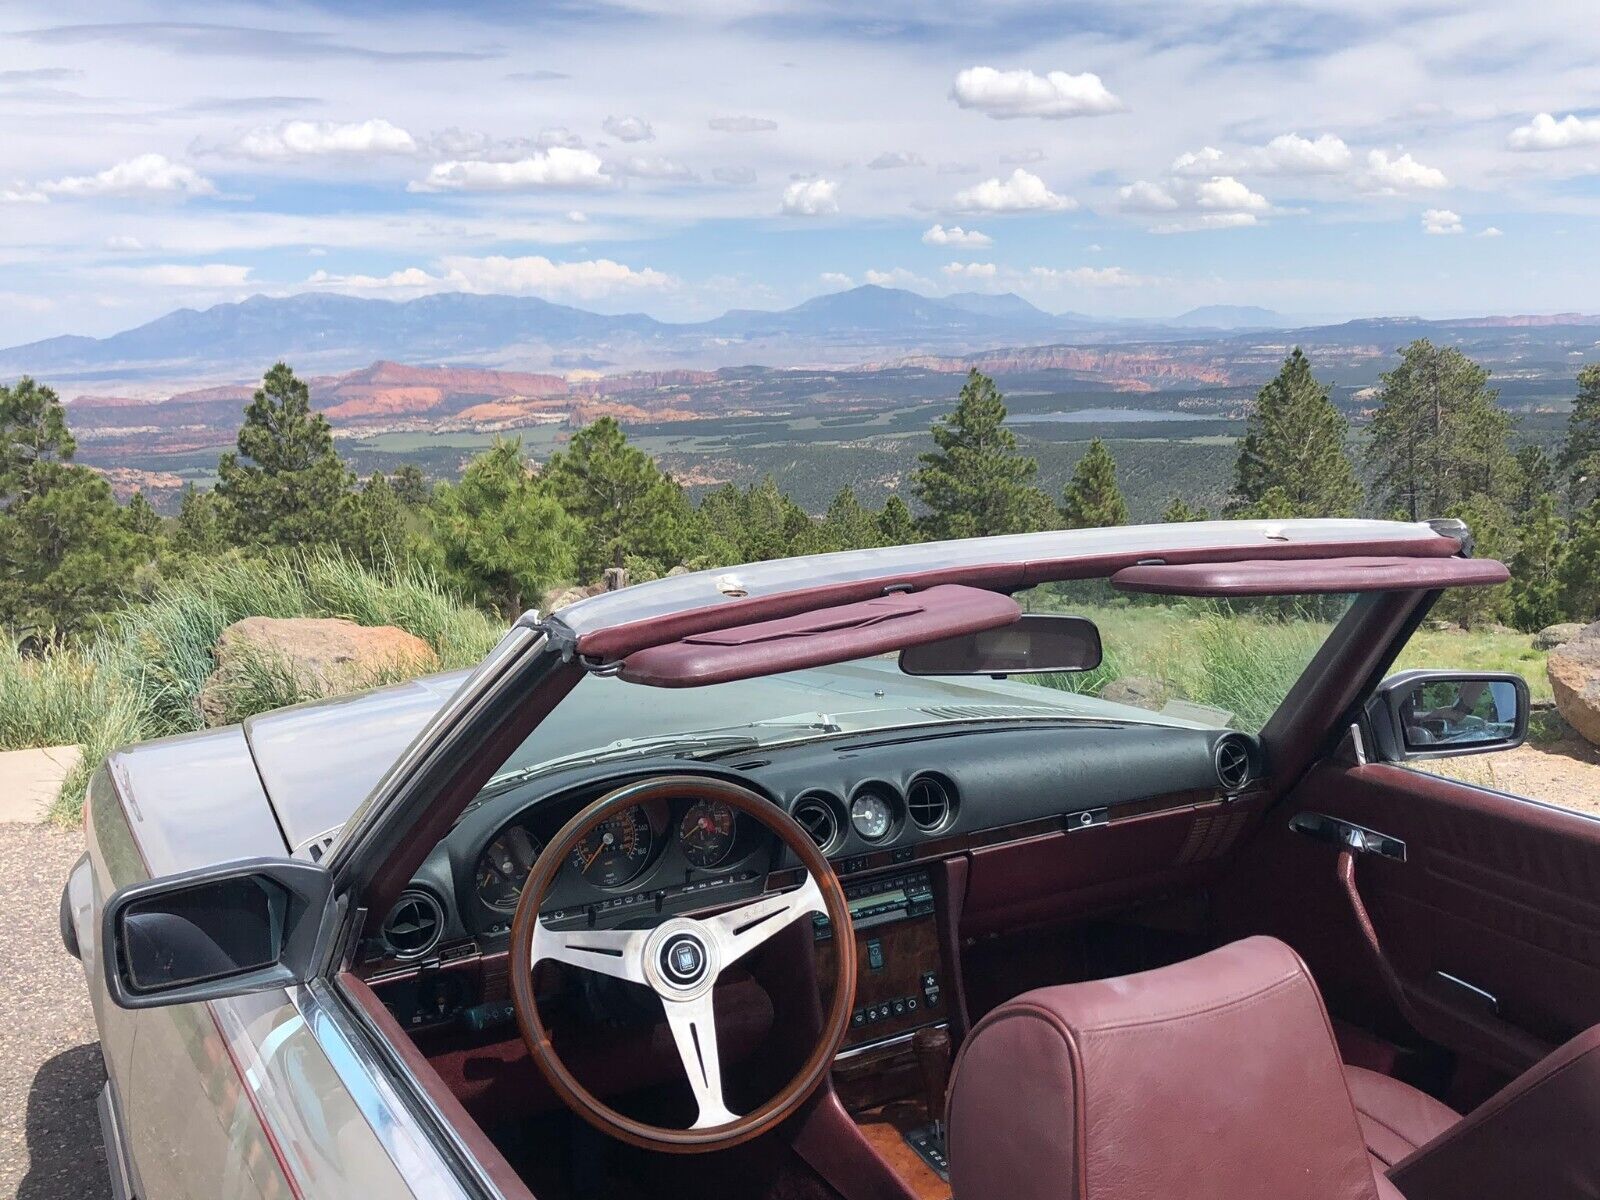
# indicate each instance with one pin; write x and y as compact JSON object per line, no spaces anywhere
{"x":217,"y":932}
{"x":1037,"y":642}
{"x":1445,"y":714}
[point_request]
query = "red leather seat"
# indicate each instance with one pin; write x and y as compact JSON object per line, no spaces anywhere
{"x":1213,"y":1079}
{"x":1395,"y":1117}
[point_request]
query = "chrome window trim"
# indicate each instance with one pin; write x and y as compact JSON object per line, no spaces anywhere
{"x":374,"y":1081}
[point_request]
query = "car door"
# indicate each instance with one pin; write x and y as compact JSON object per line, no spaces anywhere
{"x":1484,"y":932}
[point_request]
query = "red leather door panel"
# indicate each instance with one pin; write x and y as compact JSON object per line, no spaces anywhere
{"x":1499,"y":892}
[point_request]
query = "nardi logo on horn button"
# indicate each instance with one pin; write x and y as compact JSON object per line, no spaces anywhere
{"x":683,"y":960}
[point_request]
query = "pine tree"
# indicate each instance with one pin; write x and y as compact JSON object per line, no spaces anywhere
{"x":411,"y":486}
{"x":626,"y":506}
{"x":1494,"y":536}
{"x":1091,"y":499}
{"x":1580,"y":455}
{"x":66,"y":550}
{"x":374,"y":526}
{"x":1580,"y":567}
{"x":1439,"y":439}
{"x":1535,"y":477}
{"x":140,"y":518}
{"x":975,"y":482}
{"x":1179,"y":511}
{"x":848,"y":525}
{"x":285,"y":485}
{"x":500,"y":536}
{"x":896,"y":525}
{"x":198,"y":529}
{"x":1536,"y":567}
{"x":1295,"y":441}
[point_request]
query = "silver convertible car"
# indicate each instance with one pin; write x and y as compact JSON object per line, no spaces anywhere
{"x":1091,"y":865}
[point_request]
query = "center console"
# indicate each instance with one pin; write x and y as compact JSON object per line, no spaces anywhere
{"x":901,"y":980}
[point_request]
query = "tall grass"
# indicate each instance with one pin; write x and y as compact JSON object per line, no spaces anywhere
{"x":141,"y":677}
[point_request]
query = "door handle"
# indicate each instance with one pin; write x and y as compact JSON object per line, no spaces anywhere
{"x":1347,"y":835}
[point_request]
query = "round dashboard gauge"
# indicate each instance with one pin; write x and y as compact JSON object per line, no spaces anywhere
{"x":503,"y":867}
{"x":616,"y":850}
{"x":869,"y":813}
{"x":705,"y":835}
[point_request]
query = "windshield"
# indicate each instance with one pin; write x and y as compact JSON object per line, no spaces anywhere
{"x":1168,"y":661}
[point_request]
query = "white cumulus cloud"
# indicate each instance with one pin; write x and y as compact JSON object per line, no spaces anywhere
{"x":500,"y":275}
{"x":1091,"y":277}
{"x":557,"y":167}
{"x":322,"y":139}
{"x":971,"y":270}
{"x":1544,"y":132}
{"x":836,"y":279}
{"x":1222,"y":202}
{"x":21,"y":193}
{"x":143,"y":175}
{"x":1006,"y":95}
{"x":1441,"y":220}
{"x":811,"y":198}
{"x":1022,"y":192}
{"x":1286,"y":154}
{"x":1490,"y":231}
{"x":955,"y":236}
{"x":1402,"y":174}
{"x":629,"y":129}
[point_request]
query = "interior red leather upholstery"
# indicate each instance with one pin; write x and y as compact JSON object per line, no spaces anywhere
{"x":1395,"y":1117}
{"x":1539,"y":1136}
{"x":826,"y":635}
{"x":1214,"y":1079}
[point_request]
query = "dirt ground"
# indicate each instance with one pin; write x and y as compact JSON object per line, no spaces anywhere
{"x":1566,"y":773}
{"x":50,"y":1070}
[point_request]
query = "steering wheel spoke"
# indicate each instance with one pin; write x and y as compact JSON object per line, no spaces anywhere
{"x":742,"y":929}
{"x":615,"y":952}
{"x":694,"y":1030}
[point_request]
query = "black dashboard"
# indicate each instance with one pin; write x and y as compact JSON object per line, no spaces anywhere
{"x":867,"y":799}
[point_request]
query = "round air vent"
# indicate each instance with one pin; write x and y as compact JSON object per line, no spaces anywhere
{"x":931,"y":801}
{"x":818,"y":818}
{"x":1232,"y":759}
{"x":414,"y":925}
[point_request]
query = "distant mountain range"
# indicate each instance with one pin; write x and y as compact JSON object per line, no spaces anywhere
{"x":325,"y":332}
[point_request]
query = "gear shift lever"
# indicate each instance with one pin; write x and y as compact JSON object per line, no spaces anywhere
{"x":931,"y":1045}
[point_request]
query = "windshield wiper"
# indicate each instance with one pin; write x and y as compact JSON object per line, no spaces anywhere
{"x":675,"y":745}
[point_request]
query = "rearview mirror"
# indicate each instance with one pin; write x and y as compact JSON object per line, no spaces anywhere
{"x":217,"y":932}
{"x":1036,"y":643}
{"x":1445,"y":714}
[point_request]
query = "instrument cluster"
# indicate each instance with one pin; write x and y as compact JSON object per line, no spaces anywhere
{"x":671,"y":839}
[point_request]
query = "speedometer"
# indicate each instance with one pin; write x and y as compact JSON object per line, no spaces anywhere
{"x":503,"y":867}
{"x":616,"y":850}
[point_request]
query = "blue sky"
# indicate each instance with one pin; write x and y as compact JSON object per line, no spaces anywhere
{"x":680,"y":158}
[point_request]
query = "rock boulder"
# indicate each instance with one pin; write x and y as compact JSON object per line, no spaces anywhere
{"x":1574,"y":670}
{"x":305,"y":658}
{"x":1552,"y":636}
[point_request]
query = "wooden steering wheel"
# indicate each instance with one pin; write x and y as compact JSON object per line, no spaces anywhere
{"x":680,"y":960}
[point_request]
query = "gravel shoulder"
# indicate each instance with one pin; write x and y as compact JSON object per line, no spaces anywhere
{"x":50,"y":1069}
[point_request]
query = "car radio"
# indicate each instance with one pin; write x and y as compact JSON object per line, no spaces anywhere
{"x":882,"y":901}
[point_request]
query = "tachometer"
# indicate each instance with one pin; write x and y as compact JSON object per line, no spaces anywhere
{"x":706,"y":833}
{"x":503,"y":868}
{"x":616,"y":850}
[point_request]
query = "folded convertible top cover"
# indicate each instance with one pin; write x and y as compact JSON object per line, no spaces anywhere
{"x":822,"y":636}
{"x":1287,"y":577}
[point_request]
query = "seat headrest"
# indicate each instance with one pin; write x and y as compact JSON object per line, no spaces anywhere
{"x":1214,"y":1079}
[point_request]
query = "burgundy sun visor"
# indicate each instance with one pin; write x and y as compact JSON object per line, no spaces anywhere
{"x":1290,"y":577}
{"x":820,"y":637}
